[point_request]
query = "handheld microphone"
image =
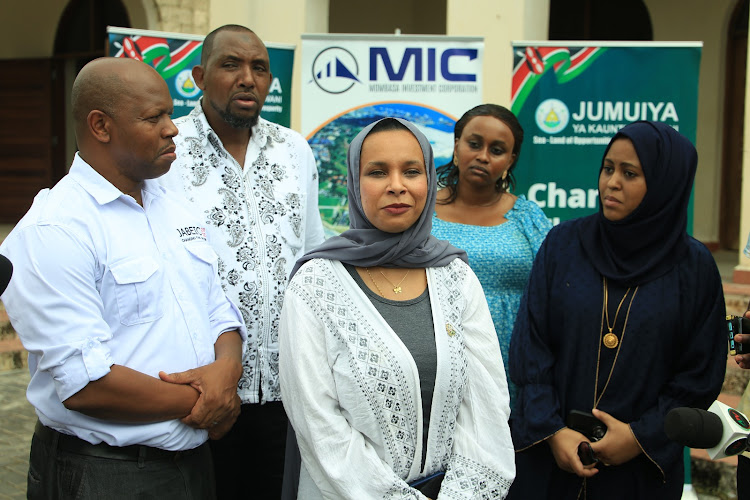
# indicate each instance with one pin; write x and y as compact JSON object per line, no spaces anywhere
{"x":722,"y":430}
{"x":6,"y":270}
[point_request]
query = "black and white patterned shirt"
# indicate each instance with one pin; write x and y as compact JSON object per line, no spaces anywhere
{"x":259,"y":219}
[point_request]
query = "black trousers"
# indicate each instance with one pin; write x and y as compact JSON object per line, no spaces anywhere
{"x":743,"y":478}
{"x":249,"y":460}
{"x":63,"y":467}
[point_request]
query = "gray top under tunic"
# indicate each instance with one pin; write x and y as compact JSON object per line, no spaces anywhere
{"x":412,"y":321}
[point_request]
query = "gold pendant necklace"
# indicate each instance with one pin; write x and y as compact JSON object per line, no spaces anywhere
{"x":396,"y":288}
{"x":610,"y":340}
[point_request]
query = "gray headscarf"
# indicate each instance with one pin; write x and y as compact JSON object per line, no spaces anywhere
{"x":364,"y":245}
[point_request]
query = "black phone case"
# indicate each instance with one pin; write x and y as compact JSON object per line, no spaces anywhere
{"x":587,"y":424}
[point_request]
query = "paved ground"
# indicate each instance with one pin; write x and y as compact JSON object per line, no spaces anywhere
{"x":17,"y":421}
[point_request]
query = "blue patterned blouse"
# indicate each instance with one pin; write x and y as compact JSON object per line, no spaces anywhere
{"x":501,"y":256}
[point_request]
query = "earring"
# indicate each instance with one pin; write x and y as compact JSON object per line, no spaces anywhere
{"x":455,"y":159}
{"x":505,"y":174}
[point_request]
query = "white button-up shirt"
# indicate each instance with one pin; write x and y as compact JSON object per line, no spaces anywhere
{"x":99,"y":280}
{"x":260,"y":220}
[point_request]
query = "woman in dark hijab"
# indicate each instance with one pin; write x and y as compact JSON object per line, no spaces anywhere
{"x":623,"y":318}
{"x":389,"y":364}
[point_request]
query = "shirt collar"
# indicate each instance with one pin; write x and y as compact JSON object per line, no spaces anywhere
{"x":100,"y":188}
{"x":259,"y":133}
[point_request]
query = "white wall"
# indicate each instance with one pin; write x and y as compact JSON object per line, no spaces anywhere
{"x":27,"y":29}
{"x":499,"y":22}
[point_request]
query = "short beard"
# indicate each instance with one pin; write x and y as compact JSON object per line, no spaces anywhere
{"x":235,"y":121}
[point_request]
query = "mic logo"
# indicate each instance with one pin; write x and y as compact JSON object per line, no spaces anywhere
{"x":736,"y":448}
{"x":335,"y":70}
{"x":738,"y":418}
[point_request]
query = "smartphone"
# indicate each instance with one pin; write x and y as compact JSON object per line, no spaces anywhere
{"x":587,"y":424}
{"x":737,"y":325}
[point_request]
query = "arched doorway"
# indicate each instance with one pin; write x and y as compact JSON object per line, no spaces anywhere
{"x":33,"y":104}
{"x":734,"y":128}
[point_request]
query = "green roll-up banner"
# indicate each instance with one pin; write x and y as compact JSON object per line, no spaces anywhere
{"x":572,"y":97}
{"x":173,"y":55}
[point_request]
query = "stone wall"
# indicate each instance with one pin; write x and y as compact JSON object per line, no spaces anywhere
{"x":183,"y":16}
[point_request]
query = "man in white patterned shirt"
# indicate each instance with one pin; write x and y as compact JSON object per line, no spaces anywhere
{"x":255,"y":184}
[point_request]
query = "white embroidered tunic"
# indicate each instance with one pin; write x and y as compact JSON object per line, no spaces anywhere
{"x":351,"y":390}
{"x":260,"y":219}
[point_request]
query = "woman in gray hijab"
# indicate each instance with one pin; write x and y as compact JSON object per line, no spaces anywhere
{"x":390,"y":368}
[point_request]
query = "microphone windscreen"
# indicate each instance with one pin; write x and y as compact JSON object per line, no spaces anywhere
{"x":693,"y":427}
{"x":6,"y":270}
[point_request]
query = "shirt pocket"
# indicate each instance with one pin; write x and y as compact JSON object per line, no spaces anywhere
{"x":139,"y":290}
{"x":204,"y":262}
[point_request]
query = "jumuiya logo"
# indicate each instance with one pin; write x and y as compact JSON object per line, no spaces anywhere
{"x":185,"y":84}
{"x":335,"y":70}
{"x":552,"y":116}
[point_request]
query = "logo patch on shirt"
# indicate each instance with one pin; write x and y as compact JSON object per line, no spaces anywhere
{"x":192,"y":233}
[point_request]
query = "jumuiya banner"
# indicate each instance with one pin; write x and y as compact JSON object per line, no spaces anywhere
{"x":572,"y":97}
{"x":349,"y":81}
{"x":173,"y":55}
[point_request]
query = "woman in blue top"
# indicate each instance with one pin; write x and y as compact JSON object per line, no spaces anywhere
{"x":476,"y":211}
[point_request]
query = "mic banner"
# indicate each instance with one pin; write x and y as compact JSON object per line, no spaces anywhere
{"x":350,"y":81}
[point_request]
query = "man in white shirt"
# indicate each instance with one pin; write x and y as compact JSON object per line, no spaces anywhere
{"x":134,"y":350}
{"x":255,"y":184}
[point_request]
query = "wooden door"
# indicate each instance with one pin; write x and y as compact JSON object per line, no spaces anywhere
{"x":29,"y":113}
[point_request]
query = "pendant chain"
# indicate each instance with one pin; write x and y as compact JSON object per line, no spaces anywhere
{"x":374,"y":282}
{"x":610,"y":339}
{"x":602,"y":340}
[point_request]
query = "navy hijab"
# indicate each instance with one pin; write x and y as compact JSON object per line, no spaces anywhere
{"x":653,"y":238}
{"x":364,"y":245}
